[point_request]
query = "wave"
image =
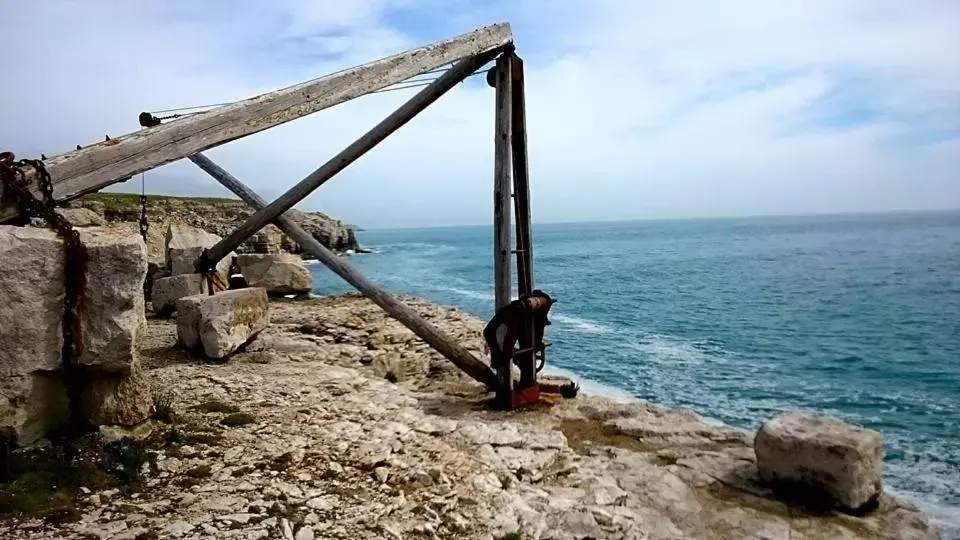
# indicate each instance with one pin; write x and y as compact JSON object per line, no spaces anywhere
{"x":469,"y":293}
{"x":584,"y":325}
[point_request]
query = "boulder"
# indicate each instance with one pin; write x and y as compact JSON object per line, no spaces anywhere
{"x":31,"y":310}
{"x":114,"y":309}
{"x":277,"y":273}
{"x":31,"y":405}
{"x":32,"y":287}
{"x":82,"y":217}
{"x":267,"y":240}
{"x":183,"y":246}
{"x":166,"y":291}
{"x":821,"y":457}
{"x":122,"y":400}
{"x":222,"y":323}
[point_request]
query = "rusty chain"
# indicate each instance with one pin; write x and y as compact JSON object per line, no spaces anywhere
{"x":75,"y":256}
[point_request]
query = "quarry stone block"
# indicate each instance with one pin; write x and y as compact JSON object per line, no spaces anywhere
{"x":278,"y":273}
{"x":114,"y":311}
{"x":166,"y":291}
{"x":31,"y":309}
{"x":31,"y":312}
{"x":183,"y":246}
{"x":31,"y":405}
{"x":821,"y":457}
{"x":220,"y":324}
{"x":122,"y":399}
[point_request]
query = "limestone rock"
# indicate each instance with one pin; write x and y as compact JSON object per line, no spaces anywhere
{"x":823,"y":455}
{"x":268,"y":240}
{"x":389,"y":366}
{"x":114,"y":304}
{"x":166,"y":291}
{"x":31,"y":405}
{"x":183,"y":246}
{"x":31,"y":286}
{"x":122,"y":400}
{"x":221,"y":323}
{"x":277,"y":273}
{"x":82,"y":217}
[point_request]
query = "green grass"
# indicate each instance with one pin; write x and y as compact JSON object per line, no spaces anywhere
{"x":128,"y":201}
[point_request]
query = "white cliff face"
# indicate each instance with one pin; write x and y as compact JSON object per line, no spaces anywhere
{"x":330,"y":448}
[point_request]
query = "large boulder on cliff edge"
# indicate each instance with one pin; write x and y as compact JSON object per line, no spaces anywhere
{"x":822,"y":459}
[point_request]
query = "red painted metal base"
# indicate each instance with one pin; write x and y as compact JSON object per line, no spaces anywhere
{"x":525,"y":397}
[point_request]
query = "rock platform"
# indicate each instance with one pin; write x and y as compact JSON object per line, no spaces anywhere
{"x":298,"y":437}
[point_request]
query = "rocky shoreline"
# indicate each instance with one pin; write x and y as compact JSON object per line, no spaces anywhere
{"x":337,"y":422}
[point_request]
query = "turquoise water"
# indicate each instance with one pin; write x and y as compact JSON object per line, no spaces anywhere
{"x":856,"y":316}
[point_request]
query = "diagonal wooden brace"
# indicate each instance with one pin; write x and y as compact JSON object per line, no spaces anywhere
{"x":381,"y":131}
{"x":443,"y":343}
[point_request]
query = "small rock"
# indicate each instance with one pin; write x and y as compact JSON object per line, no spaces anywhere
{"x":305,"y":533}
{"x":241,"y":519}
{"x":94,"y":499}
{"x":421,"y":478}
{"x":381,"y":474}
{"x":326,"y":502}
{"x":178,"y":528}
{"x":286,"y":530}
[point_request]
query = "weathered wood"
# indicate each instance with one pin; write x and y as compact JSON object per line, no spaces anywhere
{"x":501,"y":184}
{"x":521,"y":198}
{"x":501,"y":213}
{"x":521,"y":179}
{"x":94,"y":167}
{"x":381,"y":131}
{"x":443,"y":343}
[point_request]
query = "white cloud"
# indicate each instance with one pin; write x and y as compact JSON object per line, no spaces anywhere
{"x":636,"y":109}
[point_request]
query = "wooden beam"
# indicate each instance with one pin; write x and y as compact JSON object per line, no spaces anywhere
{"x":501,"y":184}
{"x":521,"y":178}
{"x":443,"y":343}
{"x":521,"y":199}
{"x":89,"y":169}
{"x":501,"y":216}
{"x":381,"y":131}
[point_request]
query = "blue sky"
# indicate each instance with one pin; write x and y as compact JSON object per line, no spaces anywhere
{"x":637,"y":109}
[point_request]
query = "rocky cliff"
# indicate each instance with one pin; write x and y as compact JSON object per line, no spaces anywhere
{"x":214,"y":215}
{"x":337,"y":422}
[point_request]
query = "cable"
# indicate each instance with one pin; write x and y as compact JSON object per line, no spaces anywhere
{"x":193,"y":108}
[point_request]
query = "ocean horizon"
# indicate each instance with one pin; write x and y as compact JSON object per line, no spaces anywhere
{"x":738,"y":318}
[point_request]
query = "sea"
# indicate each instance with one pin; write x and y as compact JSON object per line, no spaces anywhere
{"x":856,"y":316}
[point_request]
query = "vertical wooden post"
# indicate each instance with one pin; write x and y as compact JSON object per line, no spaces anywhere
{"x":521,"y":200}
{"x":501,"y":208}
{"x":501,"y":184}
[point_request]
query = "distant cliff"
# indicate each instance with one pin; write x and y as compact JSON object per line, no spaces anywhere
{"x":215,"y":215}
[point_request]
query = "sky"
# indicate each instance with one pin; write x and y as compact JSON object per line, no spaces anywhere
{"x":636,"y":109}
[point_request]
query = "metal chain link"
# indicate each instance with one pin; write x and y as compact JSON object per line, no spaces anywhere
{"x":75,"y":256}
